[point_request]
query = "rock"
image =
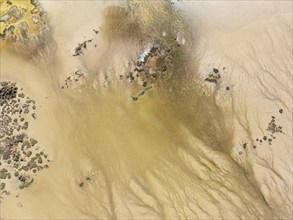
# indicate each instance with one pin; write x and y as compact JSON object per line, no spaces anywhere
{"x":32,"y":163}
{"x":215,"y":70}
{"x":6,"y":155}
{"x":25,"y":126}
{"x":29,"y":153}
{"x":26,"y":144}
{"x":21,"y":95}
{"x":33,"y":141}
{"x":25,"y":168}
{"x":22,"y":178}
{"x":2,"y":186}
{"x":3,"y":173}
{"x":40,"y":160}
{"x":26,"y":184}
{"x":34,"y":116}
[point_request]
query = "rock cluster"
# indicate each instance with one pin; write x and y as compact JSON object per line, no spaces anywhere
{"x":7,"y":91}
{"x":269,"y":136}
{"x":150,"y":68}
{"x":214,"y":77}
{"x":21,"y":19}
{"x":145,"y":72}
{"x":80,"y":47}
{"x":70,"y":81}
{"x":20,"y":156}
{"x":15,"y":110}
{"x":273,"y":128}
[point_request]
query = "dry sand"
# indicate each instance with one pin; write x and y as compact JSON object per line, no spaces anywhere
{"x":203,"y":143}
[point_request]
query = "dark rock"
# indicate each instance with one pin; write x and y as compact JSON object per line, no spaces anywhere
{"x":40,"y":160}
{"x":29,"y":153}
{"x":3,"y":173}
{"x":26,"y":183}
{"x":2,"y":186}
{"x":33,"y":141}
